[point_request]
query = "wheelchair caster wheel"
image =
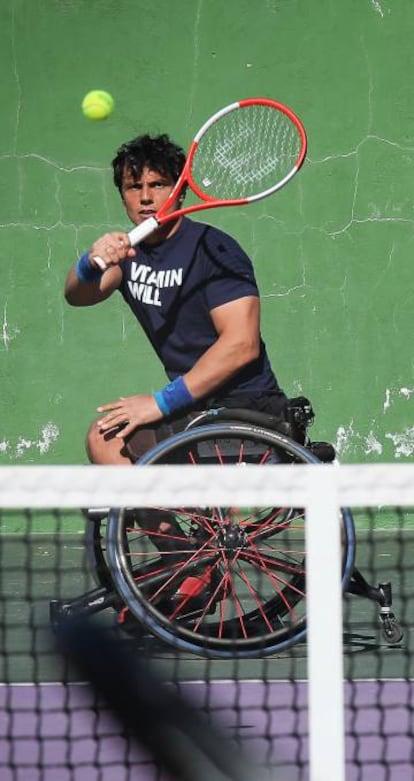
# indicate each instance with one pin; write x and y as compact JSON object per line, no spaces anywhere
{"x":391,"y":630}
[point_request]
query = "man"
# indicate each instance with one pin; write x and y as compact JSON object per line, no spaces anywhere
{"x":193,"y":291}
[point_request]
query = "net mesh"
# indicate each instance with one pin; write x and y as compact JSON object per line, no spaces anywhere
{"x":55,"y":726}
{"x":245,"y":153}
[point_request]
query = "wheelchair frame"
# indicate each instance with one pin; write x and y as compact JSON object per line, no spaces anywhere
{"x":239,"y":615}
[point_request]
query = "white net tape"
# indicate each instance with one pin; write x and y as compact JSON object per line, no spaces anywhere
{"x":300,"y":485}
{"x":321,"y":489}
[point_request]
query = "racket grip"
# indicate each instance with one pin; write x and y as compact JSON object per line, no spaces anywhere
{"x":100,"y":262}
{"x":140,"y":232}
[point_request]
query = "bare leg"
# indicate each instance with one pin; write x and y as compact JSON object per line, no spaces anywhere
{"x":105,"y":448}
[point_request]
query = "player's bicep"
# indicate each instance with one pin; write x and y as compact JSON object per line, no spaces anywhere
{"x":238,"y":319}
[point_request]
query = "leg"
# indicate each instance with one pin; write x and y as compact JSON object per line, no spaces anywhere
{"x":104,"y":448}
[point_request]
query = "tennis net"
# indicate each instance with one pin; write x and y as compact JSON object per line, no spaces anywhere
{"x":335,"y":703}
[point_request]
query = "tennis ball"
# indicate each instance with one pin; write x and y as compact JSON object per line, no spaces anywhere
{"x":97,"y":104}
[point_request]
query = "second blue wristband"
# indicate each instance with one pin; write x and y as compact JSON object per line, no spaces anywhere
{"x":174,"y":397}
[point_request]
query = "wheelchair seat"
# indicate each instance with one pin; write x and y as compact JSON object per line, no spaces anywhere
{"x":299,"y":416}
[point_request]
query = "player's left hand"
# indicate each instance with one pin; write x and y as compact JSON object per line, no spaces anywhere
{"x":129,"y":412}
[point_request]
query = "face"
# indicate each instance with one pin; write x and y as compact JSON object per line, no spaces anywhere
{"x":144,"y":196}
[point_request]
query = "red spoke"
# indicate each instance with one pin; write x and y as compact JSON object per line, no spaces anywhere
{"x":189,"y":597}
{"x":274,"y":545}
{"x":237,"y":604}
{"x":179,"y":568}
{"x":223,"y":604}
{"x":276,"y":581}
{"x":190,"y":516}
{"x":239,"y":610}
{"x":266,"y":455}
{"x":218,"y":453}
{"x":256,"y":599}
{"x":211,"y":600}
{"x":285,"y":566}
{"x":269,"y":519}
{"x":289,"y":524}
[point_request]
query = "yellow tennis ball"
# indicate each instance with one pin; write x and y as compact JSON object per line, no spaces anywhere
{"x":97,"y":104}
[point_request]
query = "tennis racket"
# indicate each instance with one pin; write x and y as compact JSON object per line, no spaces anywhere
{"x":175,"y":733}
{"x":246,"y":151}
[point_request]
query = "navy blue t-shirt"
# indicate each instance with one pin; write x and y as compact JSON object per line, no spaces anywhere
{"x":171,"y":289}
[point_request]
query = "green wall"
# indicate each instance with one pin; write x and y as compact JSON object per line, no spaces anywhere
{"x":333,"y":250}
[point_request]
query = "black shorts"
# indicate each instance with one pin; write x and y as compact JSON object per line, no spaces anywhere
{"x":147,"y":437}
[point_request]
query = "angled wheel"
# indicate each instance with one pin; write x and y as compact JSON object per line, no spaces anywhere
{"x":219,"y":581}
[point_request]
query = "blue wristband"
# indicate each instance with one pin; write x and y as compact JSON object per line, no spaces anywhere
{"x":174,"y":397}
{"x":85,"y":272}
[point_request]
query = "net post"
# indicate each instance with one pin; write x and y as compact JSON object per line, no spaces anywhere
{"x":324,"y":619}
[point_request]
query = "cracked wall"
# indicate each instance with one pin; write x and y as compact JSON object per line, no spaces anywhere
{"x":333,"y":250}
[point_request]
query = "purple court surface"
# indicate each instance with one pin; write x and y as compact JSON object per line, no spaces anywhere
{"x":51,"y":732}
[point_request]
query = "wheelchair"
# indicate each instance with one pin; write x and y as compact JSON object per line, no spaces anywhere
{"x":219,"y":582}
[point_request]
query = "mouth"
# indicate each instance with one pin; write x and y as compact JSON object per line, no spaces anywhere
{"x":145,"y":213}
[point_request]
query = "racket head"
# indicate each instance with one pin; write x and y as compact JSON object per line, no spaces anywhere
{"x":243,"y":153}
{"x":246,"y":151}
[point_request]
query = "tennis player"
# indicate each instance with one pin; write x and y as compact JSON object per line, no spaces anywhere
{"x":193,"y":291}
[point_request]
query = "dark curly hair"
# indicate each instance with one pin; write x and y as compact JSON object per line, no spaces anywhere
{"x":158,"y":153}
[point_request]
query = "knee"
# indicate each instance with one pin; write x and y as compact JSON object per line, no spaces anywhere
{"x":105,"y":447}
{"x":93,"y":442}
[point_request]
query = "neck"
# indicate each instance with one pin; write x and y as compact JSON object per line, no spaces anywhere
{"x":164,"y":232}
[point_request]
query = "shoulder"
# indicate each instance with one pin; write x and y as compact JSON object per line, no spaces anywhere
{"x":212,"y":234}
{"x":216,"y":241}
{"x":225,"y":253}
{"x":223,"y":244}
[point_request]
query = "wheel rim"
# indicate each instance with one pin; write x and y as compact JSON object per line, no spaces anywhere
{"x":249,"y":569}
{"x":254,"y":558}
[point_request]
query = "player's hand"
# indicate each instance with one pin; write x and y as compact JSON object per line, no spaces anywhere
{"x":129,"y":412}
{"x":113,"y":248}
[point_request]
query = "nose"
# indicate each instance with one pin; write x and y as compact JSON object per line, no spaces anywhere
{"x":146,"y":195}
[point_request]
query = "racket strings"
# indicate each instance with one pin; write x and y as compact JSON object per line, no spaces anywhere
{"x":246,"y":152}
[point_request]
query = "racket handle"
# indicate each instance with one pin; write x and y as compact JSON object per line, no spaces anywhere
{"x":140,"y":232}
{"x":100,"y":262}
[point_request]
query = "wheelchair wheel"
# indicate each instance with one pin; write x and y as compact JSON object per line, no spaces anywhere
{"x":219,"y":581}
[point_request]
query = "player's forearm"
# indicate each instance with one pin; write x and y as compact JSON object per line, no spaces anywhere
{"x":219,"y":364}
{"x":78,"y":293}
{"x":84,"y":291}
